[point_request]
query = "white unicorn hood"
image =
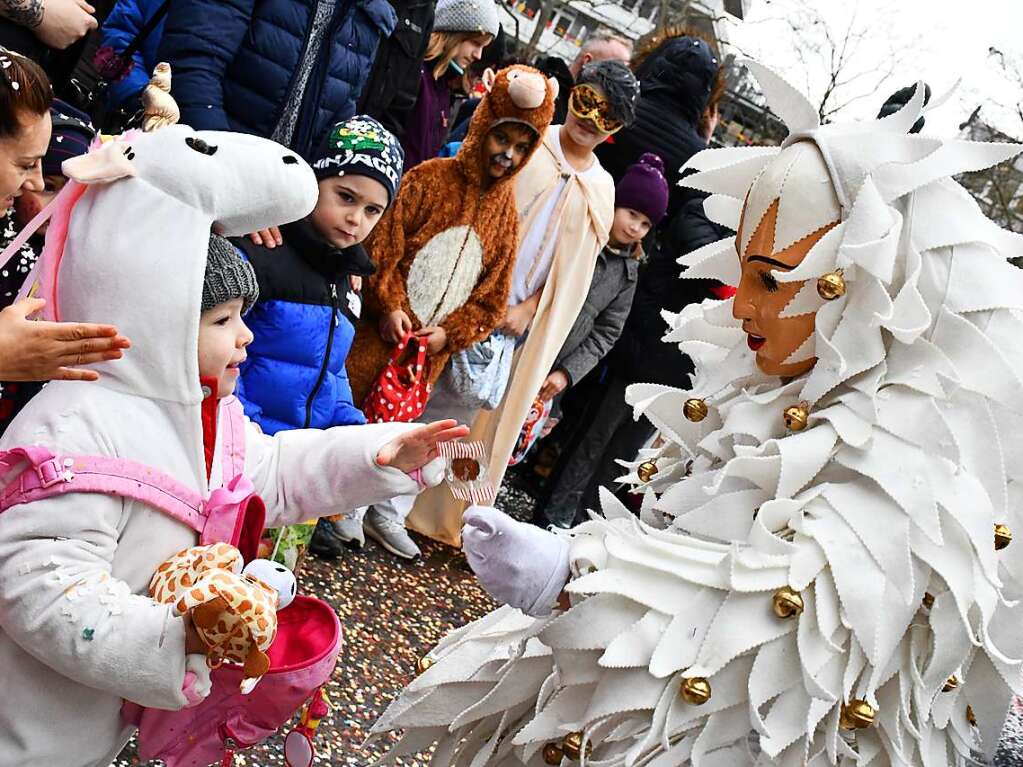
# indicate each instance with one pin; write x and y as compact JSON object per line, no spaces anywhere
{"x":137,"y":217}
{"x":832,"y":593}
{"x":135,"y":253}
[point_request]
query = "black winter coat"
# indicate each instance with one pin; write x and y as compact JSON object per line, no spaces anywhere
{"x":640,"y":355}
{"x":675,"y":83}
{"x":393,"y":85}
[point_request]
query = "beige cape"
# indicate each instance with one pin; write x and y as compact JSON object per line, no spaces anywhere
{"x":582,"y":224}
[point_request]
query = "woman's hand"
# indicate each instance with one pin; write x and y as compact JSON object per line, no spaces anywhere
{"x":436,"y":339}
{"x":268,"y":238}
{"x":417,"y":447}
{"x":553,"y":385}
{"x":395,"y":326}
{"x":32,"y":350}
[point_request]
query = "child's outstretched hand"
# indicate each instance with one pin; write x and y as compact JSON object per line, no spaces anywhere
{"x":417,"y":447}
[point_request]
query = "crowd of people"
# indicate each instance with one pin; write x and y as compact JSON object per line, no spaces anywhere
{"x":407,"y":236}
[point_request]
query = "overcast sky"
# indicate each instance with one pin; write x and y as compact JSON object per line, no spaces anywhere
{"x":942,"y":40}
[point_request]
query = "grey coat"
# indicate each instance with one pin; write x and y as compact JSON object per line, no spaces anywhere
{"x":603,"y":315}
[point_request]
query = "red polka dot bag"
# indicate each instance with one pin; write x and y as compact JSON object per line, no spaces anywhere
{"x":401,"y":390}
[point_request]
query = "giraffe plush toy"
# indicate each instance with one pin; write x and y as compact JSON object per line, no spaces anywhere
{"x":234,"y":613}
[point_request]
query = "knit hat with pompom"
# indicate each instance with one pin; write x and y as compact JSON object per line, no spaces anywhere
{"x":644,"y":188}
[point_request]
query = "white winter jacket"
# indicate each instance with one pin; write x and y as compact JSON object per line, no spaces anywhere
{"x":78,"y":635}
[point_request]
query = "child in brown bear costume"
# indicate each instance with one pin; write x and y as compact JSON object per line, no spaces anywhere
{"x":445,"y":252}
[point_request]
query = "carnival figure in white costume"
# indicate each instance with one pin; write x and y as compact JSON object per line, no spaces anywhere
{"x":817,"y":577}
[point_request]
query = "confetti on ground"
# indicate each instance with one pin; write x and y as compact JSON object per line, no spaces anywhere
{"x":393,"y":612}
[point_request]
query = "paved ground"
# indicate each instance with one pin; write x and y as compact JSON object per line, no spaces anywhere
{"x":393,"y":613}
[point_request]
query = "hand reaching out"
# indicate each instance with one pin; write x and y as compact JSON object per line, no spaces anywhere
{"x":33,"y":350}
{"x":417,"y":447}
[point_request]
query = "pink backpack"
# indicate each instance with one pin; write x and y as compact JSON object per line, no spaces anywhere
{"x":303,"y":655}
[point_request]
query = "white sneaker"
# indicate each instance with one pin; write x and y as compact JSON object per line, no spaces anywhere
{"x":349,"y":530}
{"x":390,"y":534}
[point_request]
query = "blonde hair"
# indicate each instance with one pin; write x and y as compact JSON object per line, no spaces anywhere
{"x":442,"y":48}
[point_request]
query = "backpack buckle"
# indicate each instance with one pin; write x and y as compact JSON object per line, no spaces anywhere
{"x":51,"y":472}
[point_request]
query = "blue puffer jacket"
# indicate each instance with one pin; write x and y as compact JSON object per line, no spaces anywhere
{"x":303,"y":324}
{"x":119,"y":31}
{"x":234,"y":62}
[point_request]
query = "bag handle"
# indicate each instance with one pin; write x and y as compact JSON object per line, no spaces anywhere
{"x":399,"y":350}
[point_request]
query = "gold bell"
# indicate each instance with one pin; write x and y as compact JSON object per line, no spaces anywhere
{"x":928,"y":601}
{"x":970,"y":716}
{"x":831,"y":285}
{"x":1003,"y":537}
{"x":646,"y":471}
{"x":796,"y":417}
{"x":695,"y":690}
{"x":695,"y":410}
{"x":787,"y":603}
{"x":950,"y":684}
{"x":423,"y":664}
{"x":572,"y":746}
{"x":856,"y":715}
{"x":552,"y":754}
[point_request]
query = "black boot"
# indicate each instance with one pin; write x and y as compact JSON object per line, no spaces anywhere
{"x":325,"y":543}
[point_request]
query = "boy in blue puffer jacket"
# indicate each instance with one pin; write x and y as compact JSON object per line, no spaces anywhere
{"x":309,"y":291}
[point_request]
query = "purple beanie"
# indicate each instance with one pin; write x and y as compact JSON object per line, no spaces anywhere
{"x":644,"y":188}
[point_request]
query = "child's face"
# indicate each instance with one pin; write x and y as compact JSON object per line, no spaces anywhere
{"x":30,"y":203}
{"x":223,"y":337}
{"x":505,"y":147}
{"x":348,"y":208}
{"x":629,"y":227}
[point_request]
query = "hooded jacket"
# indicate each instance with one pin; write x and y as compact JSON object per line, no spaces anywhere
{"x":303,"y":324}
{"x":675,"y":87}
{"x":78,"y":635}
{"x":445,"y":249}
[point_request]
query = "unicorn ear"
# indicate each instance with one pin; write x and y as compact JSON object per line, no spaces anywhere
{"x":110,"y":162}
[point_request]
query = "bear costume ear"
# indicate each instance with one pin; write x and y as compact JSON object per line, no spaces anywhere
{"x":555,"y":88}
{"x":110,"y":162}
{"x":489,"y":77}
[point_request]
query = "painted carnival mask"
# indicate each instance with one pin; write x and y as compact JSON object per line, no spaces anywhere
{"x":792,"y":206}
{"x":760,"y":299}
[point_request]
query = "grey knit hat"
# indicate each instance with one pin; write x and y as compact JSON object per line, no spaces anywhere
{"x":466,"y":16}
{"x":228,"y":276}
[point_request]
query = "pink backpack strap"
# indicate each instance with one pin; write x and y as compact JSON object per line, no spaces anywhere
{"x":232,"y":514}
{"x":47,"y":474}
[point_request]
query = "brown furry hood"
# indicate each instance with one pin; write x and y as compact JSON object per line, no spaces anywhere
{"x":516,"y":94}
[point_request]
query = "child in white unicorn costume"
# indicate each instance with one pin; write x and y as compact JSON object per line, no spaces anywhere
{"x":816,"y":577}
{"x":78,"y":635}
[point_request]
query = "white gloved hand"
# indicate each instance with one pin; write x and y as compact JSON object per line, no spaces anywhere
{"x":518,"y":564}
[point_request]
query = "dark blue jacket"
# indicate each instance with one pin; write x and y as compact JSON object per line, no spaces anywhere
{"x":303,"y":325}
{"x":119,"y":30}
{"x":234,"y":62}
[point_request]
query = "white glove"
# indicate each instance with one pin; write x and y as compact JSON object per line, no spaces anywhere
{"x":518,"y":564}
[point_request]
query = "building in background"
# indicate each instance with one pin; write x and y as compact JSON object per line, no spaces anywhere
{"x":567,"y":23}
